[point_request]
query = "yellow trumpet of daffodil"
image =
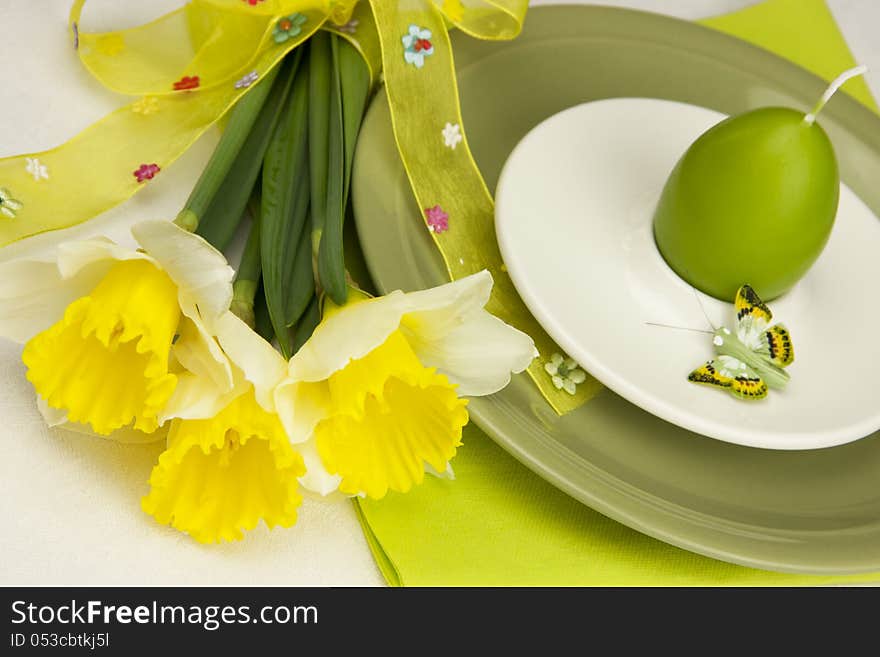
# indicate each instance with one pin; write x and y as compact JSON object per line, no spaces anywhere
{"x":374,"y":398}
{"x":221,"y":475}
{"x":115,"y":336}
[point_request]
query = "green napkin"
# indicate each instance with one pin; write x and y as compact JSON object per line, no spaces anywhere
{"x":499,"y":524}
{"x":802,"y":31}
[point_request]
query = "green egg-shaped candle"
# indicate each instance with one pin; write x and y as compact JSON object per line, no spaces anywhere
{"x":752,"y":200}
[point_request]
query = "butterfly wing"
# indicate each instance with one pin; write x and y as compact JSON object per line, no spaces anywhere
{"x":736,"y":377}
{"x":776,"y":346}
{"x":708,"y":374}
{"x":752,"y":316}
{"x":749,"y":306}
{"x":773,"y":344}
{"x":752,"y":319}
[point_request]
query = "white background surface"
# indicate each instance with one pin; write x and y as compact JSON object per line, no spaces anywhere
{"x":69,"y":505}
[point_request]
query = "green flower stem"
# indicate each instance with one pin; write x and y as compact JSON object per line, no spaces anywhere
{"x":247,"y":278}
{"x":301,"y":285}
{"x":262,"y":321}
{"x":307,"y":324}
{"x":320,"y":68}
{"x":243,"y":294}
{"x":349,"y":91}
{"x":223,"y":215}
{"x":241,"y":121}
{"x":284,"y":212}
{"x":335,"y":202}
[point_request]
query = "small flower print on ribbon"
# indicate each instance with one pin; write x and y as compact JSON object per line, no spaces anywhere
{"x":145,"y":106}
{"x":8,"y":205}
{"x":247,"y":80}
{"x":37,"y":169}
{"x":438,"y":220}
{"x":417,"y":45}
{"x":288,"y":27}
{"x":187,"y":83}
{"x":452,"y":135}
{"x":253,"y":3}
{"x":565,"y":373}
{"x":75,"y":29}
{"x":146,"y":172}
{"x":350,"y":27}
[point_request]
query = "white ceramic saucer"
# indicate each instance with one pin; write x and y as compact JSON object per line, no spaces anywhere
{"x":574,"y":207}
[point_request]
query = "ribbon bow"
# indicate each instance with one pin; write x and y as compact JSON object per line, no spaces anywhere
{"x":189,"y":67}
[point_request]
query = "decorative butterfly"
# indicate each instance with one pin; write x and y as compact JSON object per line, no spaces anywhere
{"x":750,"y":361}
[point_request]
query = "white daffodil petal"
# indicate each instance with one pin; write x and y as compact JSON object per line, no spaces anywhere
{"x":33,"y":296}
{"x":434,"y":312}
{"x":316,"y":479}
{"x":448,"y":473}
{"x":350,"y":333}
{"x":300,"y":406}
{"x":479,"y":355}
{"x":257,"y":359}
{"x":197,"y":397}
{"x":200,"y":271}
{"x":34,"y":292}
{"x":197,"y":351}
{"x":52,"y":416}
{"x":97,"y":255}
{"x":363,"y":326}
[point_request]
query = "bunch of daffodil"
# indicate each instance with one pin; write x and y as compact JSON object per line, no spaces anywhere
{"x":369,"y":403}
{"x":131,"y":340}
{"x":136,"y":338}
{"x":375,"y":397}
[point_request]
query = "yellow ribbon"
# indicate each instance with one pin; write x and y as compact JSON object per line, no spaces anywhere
{"x":189,"y":67}
{"x":457,"y":206}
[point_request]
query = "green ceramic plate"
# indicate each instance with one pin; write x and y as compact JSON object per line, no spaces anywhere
{"x":810,"y":511}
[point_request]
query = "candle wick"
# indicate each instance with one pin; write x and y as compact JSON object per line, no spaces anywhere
{"x":838,"y":82}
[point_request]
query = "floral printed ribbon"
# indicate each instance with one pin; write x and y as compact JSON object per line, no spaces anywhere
{"x":457,"y":206}
{"x":189,"y":67}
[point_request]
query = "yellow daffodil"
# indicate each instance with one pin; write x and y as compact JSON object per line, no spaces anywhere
{"x":374,"y":396}
{"x":118,"y":337}
{"x":222,"y":474}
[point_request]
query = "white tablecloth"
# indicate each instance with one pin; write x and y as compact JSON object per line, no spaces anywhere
{"x":69,"y":506}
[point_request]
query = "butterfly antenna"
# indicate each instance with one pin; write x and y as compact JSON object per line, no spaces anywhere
{"x":703,"y":308}
{"x":678,"y":328}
